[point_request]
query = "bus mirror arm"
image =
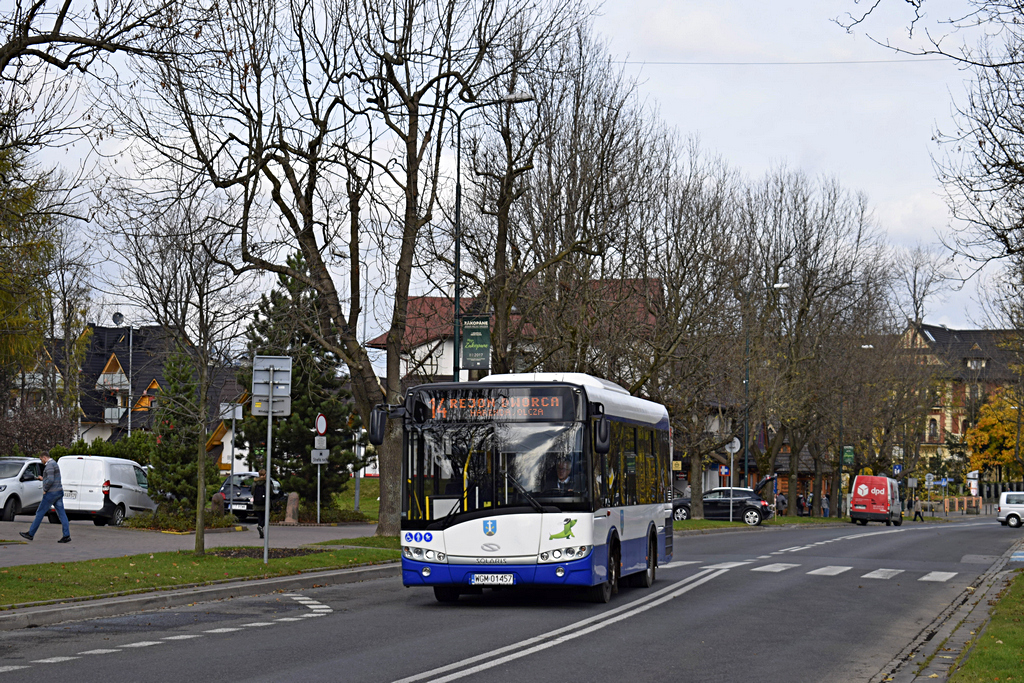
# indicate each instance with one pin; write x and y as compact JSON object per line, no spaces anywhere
{"x":379,"y":421}
{"x":602,"y":436}
{"x":519,"y":487}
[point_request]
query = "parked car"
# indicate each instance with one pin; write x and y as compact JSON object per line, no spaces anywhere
{"x":105,"y":490}
{"x":747,"y":504}
{"x":875,"y":499}
{"x":1010,"y":511}
{"x":21,"y":491}
{"x":237,"y":492}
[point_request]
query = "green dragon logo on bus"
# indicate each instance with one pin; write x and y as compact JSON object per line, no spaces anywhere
{"x":566,"y":531}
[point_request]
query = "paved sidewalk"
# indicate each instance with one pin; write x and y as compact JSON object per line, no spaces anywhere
{"x":90,"y":542}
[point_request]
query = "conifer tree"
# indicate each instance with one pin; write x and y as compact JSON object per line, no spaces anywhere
{"x":318,"y":386}
{"x":178,"y":432}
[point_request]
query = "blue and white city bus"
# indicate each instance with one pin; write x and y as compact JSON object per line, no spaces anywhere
{"x":532,"y":479}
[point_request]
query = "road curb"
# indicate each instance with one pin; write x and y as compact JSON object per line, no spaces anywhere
{"x":31,"y":617}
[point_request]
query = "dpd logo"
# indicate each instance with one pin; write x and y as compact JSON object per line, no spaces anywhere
{"x":862,"y":490}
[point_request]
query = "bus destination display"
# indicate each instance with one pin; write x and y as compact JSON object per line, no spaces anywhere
{"x":509,"y":404}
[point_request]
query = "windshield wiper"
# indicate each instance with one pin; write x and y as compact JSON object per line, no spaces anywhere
{"x":519,"y":487}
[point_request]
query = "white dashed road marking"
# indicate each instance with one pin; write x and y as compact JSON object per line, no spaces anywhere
{"x":101,"y":651}
{"x":938,"y":576}
{"x":5,"y":669}
{"x":830,"y":571}
{"x":678,"y":563}
{"x":186,"y":636}
{"x":882,"y":574}
{"x":223,"y":630}
{"x":726,"y":565}
{"x":53,"y":660}
{"x":774,"y":568}
{"x":143,"y":643}
{"x":260,"y":623}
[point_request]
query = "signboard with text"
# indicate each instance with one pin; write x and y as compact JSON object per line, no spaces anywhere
{"x":847,"y":455}
{"x":476,"y":342}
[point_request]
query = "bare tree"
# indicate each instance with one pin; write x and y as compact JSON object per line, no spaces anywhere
{"x":171,"y":247}
{"x":326,"y":121}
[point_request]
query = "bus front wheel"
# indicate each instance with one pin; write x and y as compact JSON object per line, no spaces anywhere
{"x":446,"y":593}
{"x":603,"y":592}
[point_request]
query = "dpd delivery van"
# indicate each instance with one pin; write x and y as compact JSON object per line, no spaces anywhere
{"x":875,"y":499}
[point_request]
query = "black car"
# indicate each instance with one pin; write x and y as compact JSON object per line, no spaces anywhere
{"x":747,"y":505}
{"x":237,"y":492}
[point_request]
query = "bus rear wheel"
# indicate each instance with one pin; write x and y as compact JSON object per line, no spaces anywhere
{"x":603,"y":592}
{"x":446,"y":594}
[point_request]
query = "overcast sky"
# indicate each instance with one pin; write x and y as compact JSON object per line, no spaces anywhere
{"x":870,"y":125}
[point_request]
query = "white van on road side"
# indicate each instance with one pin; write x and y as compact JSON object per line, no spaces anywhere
{"x":105,"y":490}
{"x":1011,"y":509}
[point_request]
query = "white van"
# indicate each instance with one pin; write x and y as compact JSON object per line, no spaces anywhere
{"x":1011,"y":509}
{"x":105,"y":490}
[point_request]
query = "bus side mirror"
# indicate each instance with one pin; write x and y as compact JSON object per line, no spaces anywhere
{"x":378,"y":423}
{"x":602,"y":436}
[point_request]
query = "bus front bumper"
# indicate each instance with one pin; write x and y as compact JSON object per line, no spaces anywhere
{"x":574,"y":573}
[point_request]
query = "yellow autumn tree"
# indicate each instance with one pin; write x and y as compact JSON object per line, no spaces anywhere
{"x":993,"y":440}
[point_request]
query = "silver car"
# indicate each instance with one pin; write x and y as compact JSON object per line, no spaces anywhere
{"x":1011,"y":509}
{"x":21,"y":491}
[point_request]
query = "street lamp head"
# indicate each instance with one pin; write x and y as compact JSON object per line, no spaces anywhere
{"x":517,"y":97}
{"x":118,"y":318}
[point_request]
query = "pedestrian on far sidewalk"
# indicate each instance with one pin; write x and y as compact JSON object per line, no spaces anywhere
{"x":780,"y":504}
{"x":918,"y":510}
{"x":824,"y":505}
{"x":53,"y":495}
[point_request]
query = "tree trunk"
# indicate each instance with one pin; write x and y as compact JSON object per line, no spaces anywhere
{"x":696,"y":486}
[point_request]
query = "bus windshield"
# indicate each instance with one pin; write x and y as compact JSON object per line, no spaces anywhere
{"x":464,"y":467}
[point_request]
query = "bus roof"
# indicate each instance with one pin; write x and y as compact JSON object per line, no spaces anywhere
{"x":617,"y":401}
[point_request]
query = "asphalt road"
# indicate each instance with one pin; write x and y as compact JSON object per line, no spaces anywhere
{"x":806,"y":604}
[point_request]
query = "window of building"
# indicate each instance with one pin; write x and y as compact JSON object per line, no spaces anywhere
{"x":933,"y":429}
{"x":975,"y":363}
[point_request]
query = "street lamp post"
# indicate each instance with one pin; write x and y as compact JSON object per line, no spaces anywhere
{"x":746,"y":390}
{"x":511,"y":98}
{"x":118,"y":318}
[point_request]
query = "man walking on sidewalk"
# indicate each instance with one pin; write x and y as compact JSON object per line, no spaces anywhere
{"x":917,"y":511}
{"x":53,"y":495}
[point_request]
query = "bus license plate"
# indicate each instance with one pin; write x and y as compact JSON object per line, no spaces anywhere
{"x":71,"y":494}
{"x":493,"y":579}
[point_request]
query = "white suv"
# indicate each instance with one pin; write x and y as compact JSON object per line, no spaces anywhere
{"x":1011,"y":509}
{"x":21,"y":491}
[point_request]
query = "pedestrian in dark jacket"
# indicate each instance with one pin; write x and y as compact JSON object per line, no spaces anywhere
{"x":780,"y":504}
{"x":53,"y":496}
{"x":259,"y":500}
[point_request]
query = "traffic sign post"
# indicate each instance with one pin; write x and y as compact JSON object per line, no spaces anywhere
{"x":319,"y":454}
{"x":732,"y":448}
{"x":897,"y":469}
{"x":271,"y":375}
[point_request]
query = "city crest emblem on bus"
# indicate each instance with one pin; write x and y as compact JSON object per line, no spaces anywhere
{"x":490,"y":527}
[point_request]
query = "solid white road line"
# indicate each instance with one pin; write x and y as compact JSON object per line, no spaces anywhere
{"x":830,"y":571}
{"x":937,"y":576}
{"x":678,"y":563}
{"x":726,"y":565}
{"x":775,"y":568}
{"x":882,"y":574}
{"x":572,"y":636}
{"x":551,"y":634}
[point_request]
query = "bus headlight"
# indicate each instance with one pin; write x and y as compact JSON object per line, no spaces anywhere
{"x":422,"y":554}
{"x":575,"y":552}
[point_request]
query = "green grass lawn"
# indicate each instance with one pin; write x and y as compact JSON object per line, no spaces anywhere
{"x":121,"y":575}
{"x":367,"y":542}
{"x":369,"y":491}
{"x":998,"y":654}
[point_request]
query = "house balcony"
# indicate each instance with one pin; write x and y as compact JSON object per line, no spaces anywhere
{"x":113,"y":415}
